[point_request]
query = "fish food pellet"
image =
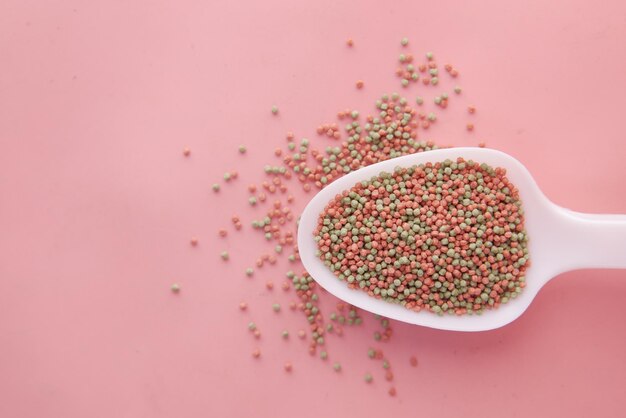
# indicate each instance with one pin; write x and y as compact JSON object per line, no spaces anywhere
{"x":285,"y":334}
{"x":186,"y":152}
{"x":368,"y":378}
{"x":249,"y":271}
{"x":337,"y":367}
{"x":175,"y":288}
{"x":193,"y":242}
{"x":215,"y":187}
{"x":447,"y":237}
{"x":225,"y":256}
{"x":413,"y":361}
{"x":242,"y":149}
{"x":288,"y":367}
{"x":256,"y":353}
{"x":251,"y":326}
{"x":243,"y":306}
{"x":404,"y":41}
{"x":276,"y":307}
{"x":275,"y":110}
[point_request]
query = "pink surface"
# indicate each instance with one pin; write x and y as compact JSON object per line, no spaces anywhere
{"x":97,"y":204}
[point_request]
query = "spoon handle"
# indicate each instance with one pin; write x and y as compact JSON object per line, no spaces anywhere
{"x":591,"y":241}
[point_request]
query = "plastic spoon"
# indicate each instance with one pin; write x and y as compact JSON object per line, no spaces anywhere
{"x":560,"y":240}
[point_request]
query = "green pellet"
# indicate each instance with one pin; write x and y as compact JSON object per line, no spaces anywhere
{"x":323,"y":355}
{"x":368,"y":378}
{"x":225,"y":256}
{"x":249,"y":271}
{"x":285,"y":334}
{"x":242,"y":149}
{"x":252,"y":200}
{"x":404,"y":41}
{"x":275,"y":110}
{"x":175,"y":288}
{"x":337,"y":367}
{"x":276,"y":307}
{"x":216,"y":187}
{"x":251,"y":326}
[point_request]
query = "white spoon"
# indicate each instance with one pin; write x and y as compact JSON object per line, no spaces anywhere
{"x":559,"y":240}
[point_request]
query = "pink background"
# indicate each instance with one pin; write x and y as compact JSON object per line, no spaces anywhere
{"x":97,"y":204}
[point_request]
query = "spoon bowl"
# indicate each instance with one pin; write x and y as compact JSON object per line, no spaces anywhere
{"x":559,"y":240}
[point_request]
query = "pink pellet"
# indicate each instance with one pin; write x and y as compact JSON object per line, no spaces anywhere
{"x":269,"y":285}
{"x":222,"y":233}
{"x":193,"y":242}
{"x":256,"y":353}
{"x":243,"y":306}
